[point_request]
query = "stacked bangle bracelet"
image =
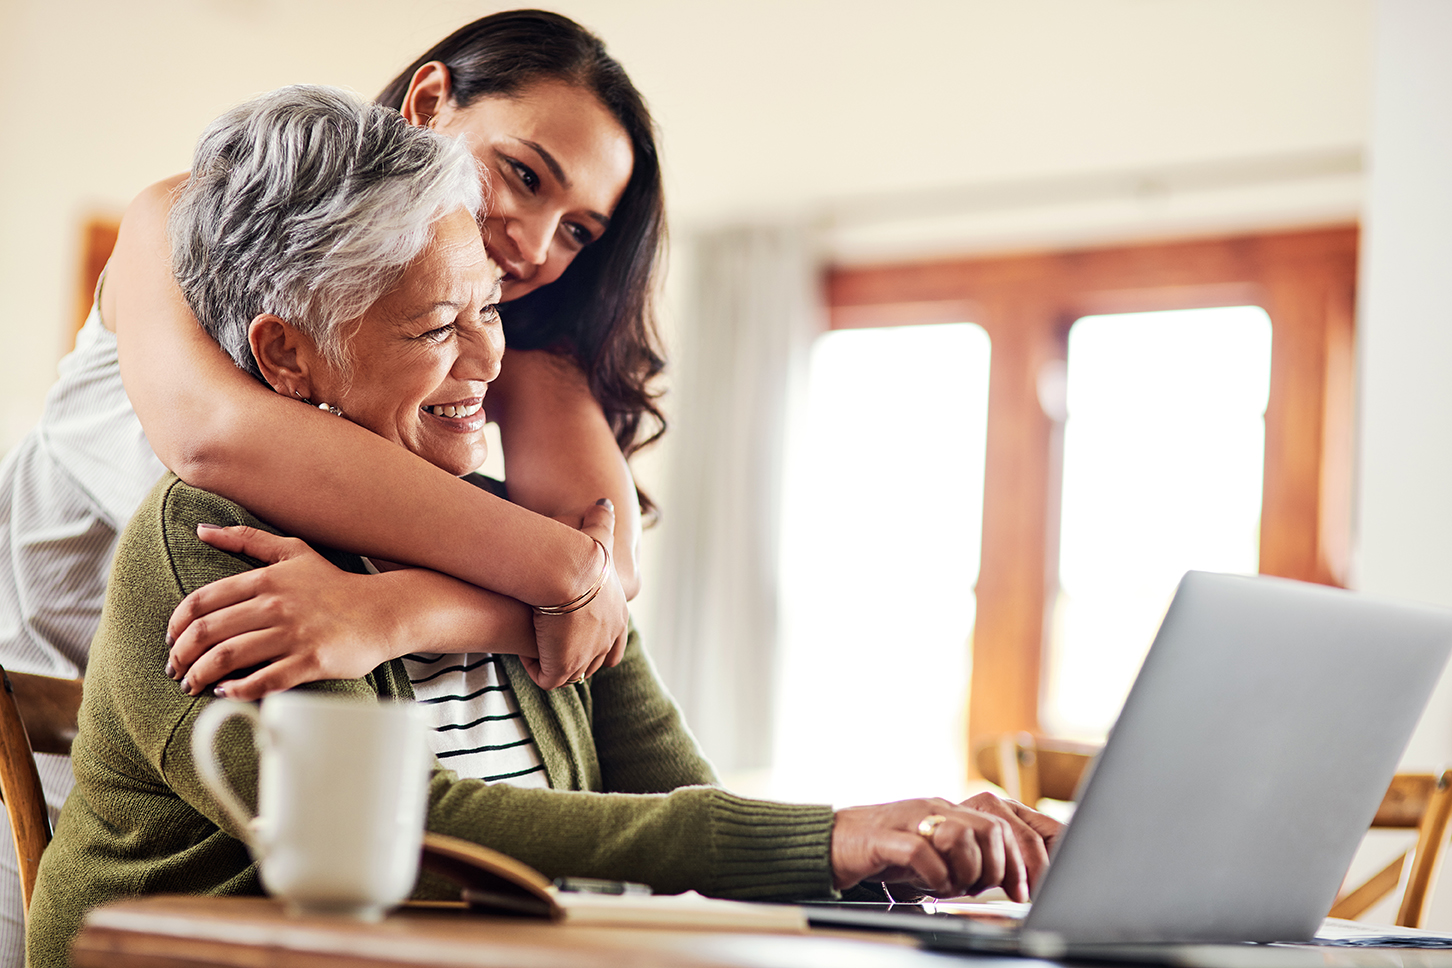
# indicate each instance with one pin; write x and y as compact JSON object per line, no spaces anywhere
{"x":589,"y":594}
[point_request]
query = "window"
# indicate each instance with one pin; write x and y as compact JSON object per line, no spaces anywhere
{"x":1164,"y":447}
{"x":1304,"y":282}
{"x":882,"y":522}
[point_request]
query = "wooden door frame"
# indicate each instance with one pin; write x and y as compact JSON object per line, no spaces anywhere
{"x":1306,"y":282}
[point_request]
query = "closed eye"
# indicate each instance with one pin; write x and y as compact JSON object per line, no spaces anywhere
{"x":438,"y":335}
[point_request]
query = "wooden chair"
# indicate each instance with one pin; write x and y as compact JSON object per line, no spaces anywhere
{"x":37,"y":715}
{"x":1030,"y":768}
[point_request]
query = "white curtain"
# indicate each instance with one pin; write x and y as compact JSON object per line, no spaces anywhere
{"x":751,"y":309}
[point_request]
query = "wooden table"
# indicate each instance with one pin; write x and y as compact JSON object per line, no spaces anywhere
{"x":201,"y":932}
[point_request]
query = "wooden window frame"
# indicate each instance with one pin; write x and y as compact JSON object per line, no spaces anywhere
{"x":1305,"y":281}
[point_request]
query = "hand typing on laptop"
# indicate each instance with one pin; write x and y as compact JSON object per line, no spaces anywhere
{"x":944,"y":849}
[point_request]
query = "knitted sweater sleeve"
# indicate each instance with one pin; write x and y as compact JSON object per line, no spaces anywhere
{"x":641,"y":740}
{"x":694,"y":838}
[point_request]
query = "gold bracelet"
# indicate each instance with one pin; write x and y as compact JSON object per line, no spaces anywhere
{"x":590,"y":593}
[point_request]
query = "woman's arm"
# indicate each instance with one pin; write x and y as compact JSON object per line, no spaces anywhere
{"x":328,"y":480}
{"x":559,"y":451}
{"x":302,"y":619}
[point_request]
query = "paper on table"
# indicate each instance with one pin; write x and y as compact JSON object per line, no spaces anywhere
{"x":677,"y":910}
{"x":1355,"y":934}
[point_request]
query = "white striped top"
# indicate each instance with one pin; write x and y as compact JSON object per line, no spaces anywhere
{"x":477,"y":728}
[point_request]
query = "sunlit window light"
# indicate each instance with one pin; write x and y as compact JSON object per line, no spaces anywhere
{"x":883,"y":508}
{"x":1164,"y":449}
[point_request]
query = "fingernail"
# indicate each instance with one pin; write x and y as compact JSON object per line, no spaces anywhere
{"x":220,"y":691}
{"x":605,"y":503}
{"x":170,"y":670}
{"x":170,"y":640}
{"x":209,"y":527}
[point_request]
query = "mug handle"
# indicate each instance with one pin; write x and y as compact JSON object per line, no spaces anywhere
{"x":204,"y":734}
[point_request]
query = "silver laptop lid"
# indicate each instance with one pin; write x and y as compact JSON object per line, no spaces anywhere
{"x":1246,"y":766}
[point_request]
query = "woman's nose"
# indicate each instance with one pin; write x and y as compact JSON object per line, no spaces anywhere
{"x":482,"y":353}
{"x":532,"y":239}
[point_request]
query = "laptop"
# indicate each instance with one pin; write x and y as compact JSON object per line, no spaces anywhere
{"x":1249,"y":759}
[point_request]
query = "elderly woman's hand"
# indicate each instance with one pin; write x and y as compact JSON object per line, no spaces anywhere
{"x":944,"y":849}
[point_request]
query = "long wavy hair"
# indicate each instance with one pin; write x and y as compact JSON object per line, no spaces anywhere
{"x":600,"y":311}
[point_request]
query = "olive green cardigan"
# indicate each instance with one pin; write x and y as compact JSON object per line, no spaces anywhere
{"x":631,"y":797}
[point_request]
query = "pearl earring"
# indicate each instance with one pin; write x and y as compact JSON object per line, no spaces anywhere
{"x":321,"y":406}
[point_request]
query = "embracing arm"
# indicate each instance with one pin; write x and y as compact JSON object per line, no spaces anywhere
{"x":302,"y":619}
{"x":326,"y":479}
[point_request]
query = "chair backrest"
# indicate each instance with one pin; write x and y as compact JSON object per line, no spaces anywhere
{"x":37,"y":715}
{"x":1030,"y":768}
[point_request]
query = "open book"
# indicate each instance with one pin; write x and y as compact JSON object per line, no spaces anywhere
{"x":498,"y":883}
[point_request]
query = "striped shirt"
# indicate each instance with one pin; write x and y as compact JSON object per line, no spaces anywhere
{"x":477,"y":728}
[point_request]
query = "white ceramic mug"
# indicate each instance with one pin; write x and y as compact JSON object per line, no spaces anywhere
{"x":341,"y":793}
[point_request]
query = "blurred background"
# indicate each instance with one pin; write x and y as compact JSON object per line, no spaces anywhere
{"x":986,"y":321}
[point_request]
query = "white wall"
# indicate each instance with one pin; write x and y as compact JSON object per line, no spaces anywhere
{"x":1405,"y":337}
{"x":1404,"y":528}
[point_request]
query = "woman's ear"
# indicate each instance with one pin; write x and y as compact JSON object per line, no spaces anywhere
{"x":284,"y":355}
{"x":428,"y":93}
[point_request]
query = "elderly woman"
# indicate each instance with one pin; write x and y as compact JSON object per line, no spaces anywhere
{"x":334,"y":252}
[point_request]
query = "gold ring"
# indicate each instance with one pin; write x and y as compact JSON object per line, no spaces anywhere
{"x":929,"y":825}
{"x":575,"y":681}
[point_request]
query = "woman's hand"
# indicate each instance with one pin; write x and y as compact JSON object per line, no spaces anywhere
{"x":301,"y":617}
{"x":303,"y":620}
{"x":578,"y":644}
{"x":983,"y":842}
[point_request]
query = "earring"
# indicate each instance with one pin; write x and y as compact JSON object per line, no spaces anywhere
{"x":321,"y":406}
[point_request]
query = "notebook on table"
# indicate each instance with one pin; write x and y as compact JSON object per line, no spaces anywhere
{"x":1249,"y":759}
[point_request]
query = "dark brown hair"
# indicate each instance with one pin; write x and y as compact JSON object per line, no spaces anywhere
{"x":600,"y":310}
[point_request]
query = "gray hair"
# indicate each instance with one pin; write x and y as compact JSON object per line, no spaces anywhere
{"x":309,"y":202}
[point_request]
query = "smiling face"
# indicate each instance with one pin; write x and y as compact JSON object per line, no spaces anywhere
{"x":557,"y":164}
{"x":423,"y":355}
